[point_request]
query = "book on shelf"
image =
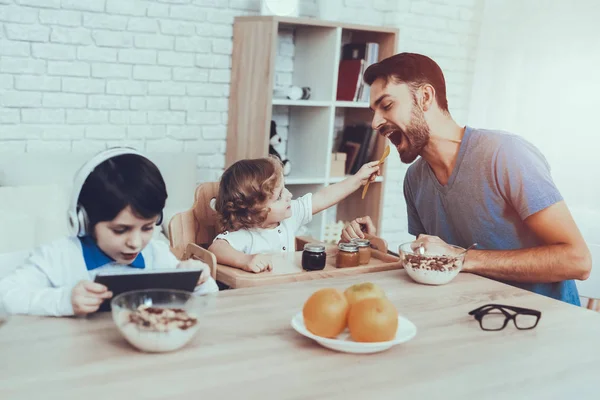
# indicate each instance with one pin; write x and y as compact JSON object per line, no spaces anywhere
{"x":349,"y":79}
{"x":358,"y":142}
{"x":356,"y":58}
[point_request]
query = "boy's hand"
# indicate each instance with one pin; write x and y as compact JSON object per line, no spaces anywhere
{"x":259,"y":263}
{"x":87,"y":296}
{"x":197,"y":264}
{"x":368,"y":172}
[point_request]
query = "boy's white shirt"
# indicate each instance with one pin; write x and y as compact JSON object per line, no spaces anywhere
{"x":43,"y":284}
{"x":279,"y":239}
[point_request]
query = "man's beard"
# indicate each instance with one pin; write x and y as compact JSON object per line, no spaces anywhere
{"x":416,"y":136}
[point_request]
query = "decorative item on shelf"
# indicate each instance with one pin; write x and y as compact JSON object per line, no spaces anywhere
{"x":338,"y":164}
{"x":333,"y":232}
{"x":275,"y":141}
{"x":292,"y":92}
{"x":284,"y":8}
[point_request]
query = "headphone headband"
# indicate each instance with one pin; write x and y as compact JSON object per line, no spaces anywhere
{"x":77,"y":215}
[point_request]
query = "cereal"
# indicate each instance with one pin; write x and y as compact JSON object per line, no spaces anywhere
{"x":161,"y":319}
{"x":433,"y":263}
{"x":156,"y":329}
{"x":432,"y":270}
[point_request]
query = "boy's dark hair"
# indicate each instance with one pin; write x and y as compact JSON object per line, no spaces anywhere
{"x":121,"y":181}
{"x":412,"y":69}
{"x":244,"y":189}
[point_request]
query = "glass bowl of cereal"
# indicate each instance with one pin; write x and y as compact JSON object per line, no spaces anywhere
{"x":157,"y":320}
{"x":431,"y":265}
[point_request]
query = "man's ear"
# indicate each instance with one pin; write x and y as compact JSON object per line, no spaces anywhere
{"x":427,"y":97}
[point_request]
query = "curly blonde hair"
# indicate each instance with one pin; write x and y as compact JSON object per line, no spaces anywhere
{"x":244,"y":190}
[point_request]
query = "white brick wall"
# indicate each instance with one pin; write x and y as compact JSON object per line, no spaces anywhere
{"x":81,"y":75}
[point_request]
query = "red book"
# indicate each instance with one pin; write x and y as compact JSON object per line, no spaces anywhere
{"x":349,"y":79}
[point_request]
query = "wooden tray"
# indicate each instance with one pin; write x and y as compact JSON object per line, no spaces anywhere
{"x":288,"y":268}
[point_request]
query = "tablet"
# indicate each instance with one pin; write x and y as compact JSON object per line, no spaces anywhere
{"x":120,"y":282}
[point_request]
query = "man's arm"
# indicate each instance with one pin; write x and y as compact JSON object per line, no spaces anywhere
{"x":565,"y":254}
{"x":333,"y":194}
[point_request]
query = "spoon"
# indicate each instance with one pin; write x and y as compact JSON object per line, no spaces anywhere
{"x":467,"y":249}
{"x":386,"y":152}
{"x":421,"y":249}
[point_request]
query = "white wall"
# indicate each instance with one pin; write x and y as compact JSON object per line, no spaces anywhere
{"x":537,"y":77}
{"x":79,"y":75}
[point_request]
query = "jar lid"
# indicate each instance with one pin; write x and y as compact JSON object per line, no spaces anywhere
{"x":349,"y":247}
{"x":314,"y":247}
{"x":362,"y":242}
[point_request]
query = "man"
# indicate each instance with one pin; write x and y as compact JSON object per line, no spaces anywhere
{"x":472,"y":185}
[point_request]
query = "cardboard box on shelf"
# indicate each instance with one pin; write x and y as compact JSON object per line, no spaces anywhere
{"x":338,"y":164}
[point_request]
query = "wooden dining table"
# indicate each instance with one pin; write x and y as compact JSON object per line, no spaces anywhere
{"x":246,"y":349}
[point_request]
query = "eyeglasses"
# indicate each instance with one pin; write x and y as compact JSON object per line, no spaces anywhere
{"x":495,"y":317}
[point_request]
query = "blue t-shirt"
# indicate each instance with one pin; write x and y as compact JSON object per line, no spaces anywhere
{"x":499,"y":180}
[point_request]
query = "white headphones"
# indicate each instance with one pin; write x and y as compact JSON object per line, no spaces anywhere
{"x":78,"y":218}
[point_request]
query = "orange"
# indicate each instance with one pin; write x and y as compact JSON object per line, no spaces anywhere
{"x":373,"y":320}
{"x":361,"y":291}
{"x":326,"y":313}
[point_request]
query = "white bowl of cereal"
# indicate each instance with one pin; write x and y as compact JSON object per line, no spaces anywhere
{"x":157,"y":320}
{"x":430,"y":266}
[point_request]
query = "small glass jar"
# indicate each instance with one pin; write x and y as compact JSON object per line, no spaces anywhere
{"x":364,"y":250}
{"x":347,"y":255}
{"x":313,"y":257}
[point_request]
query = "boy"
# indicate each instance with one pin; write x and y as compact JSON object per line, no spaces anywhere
{"x":118,"y":199}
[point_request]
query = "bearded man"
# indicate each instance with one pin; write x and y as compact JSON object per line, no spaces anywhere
{"x":471,"y":185}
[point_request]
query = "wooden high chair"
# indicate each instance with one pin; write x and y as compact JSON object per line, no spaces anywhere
{"x":192,"y":231}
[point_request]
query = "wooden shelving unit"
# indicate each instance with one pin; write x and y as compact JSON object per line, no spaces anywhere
{"x":311,"y":131}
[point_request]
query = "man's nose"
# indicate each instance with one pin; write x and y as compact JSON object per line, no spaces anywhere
{"x":377,"y":122}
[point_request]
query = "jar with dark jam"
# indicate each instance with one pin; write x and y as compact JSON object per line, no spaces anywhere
{"x":313,"y":257}
{"x":347,"y":255}
{"x":364,"y":250}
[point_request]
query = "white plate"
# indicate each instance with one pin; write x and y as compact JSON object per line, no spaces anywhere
{"x":344,"y":343}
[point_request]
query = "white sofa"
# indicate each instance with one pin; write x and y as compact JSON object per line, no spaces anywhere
{"x":35,"y":191}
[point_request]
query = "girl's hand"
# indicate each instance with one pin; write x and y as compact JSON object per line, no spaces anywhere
{"x":259,"y":263}
{"x":368,"y":172}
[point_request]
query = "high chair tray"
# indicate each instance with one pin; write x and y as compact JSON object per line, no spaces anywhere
{"x":288,"y":268}
{"x":177,"y":279}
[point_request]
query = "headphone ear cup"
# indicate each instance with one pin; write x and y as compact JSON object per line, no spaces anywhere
{"x":82,"y":220}
{"x":73,"y":223}
{"x":159,"y":221}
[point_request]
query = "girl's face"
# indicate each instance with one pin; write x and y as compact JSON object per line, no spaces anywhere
{"x":123,"y":238}
{"x":280,"y":205}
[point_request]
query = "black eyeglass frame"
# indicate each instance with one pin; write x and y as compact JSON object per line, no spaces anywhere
{"x":480,"y":312}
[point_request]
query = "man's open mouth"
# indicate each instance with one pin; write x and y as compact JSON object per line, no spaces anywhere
{"x":395,"y":136}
